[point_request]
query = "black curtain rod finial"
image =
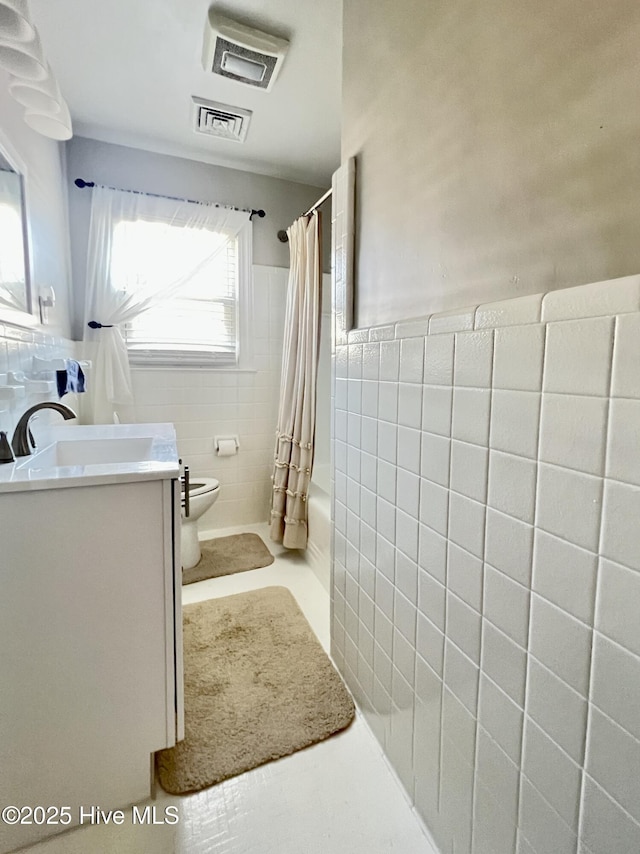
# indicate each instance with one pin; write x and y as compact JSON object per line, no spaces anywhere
{"x":81,"y":183}
{"x":259,"y":213}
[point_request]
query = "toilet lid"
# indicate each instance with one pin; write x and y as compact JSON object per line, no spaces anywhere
{"x":200,"y":485}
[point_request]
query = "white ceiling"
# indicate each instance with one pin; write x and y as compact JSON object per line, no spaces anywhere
{"x":128,"y":69}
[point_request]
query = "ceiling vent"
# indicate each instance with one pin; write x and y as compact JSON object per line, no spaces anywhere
{"x":242,"y":53}
{"x":221,"y":120}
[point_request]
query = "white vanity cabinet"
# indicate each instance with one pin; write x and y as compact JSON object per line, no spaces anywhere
{"x":90,"y":643}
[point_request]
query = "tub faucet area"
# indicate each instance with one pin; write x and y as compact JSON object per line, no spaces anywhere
{"x":22,"y":442}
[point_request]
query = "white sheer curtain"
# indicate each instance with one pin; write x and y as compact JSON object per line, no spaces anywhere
{"x":117,"y":290}
{"x":297,"y":411}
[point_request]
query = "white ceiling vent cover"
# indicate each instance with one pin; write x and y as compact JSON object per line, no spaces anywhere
{"x":221,"y":120}
{"x":242,"y":53}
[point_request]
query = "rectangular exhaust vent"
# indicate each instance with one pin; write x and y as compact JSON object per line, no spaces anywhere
{"x":221,"y":120}
{"x":242,"y":53}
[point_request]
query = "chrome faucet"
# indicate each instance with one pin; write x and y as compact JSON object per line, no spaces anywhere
{"x":22,"y":442}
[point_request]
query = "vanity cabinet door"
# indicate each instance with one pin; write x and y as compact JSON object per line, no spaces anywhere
{"x":87,"y":616}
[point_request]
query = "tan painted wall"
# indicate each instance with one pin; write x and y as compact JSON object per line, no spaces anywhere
{"x":498,"y":148}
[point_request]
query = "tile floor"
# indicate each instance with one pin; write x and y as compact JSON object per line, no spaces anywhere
{"x":337,"y":797}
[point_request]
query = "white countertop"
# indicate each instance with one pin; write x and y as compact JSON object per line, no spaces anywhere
{"x":36,"y":472}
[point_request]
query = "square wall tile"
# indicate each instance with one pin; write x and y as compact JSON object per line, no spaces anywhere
{"x":436,"y":409}
{"x":426,"y":743}
{"x":466,"y":523}
{"x":561,"y":643}
{"x":515,"y":418}
{"x":501,"y":718}
{"x":558,"y":709}
{"x":565,"y":575}
{"x":613,"y":760}
{"x":469,"y":465}
{"x":390,"y":361}
{"x":404,"y":617}
{"x":541,"y":825}
{"x":552,"y":772}
{"x":409,"y":449}
{"x":456,"y":798}
{"x":473,"y":363}
{"x":512,"y":485}
{"x":626,"y":357}
{"x":386,"y":480}
{"x":464,"y":576}
{"x":434,"y":460}
{"x":369,"y":401}
{"x":461,"y":676}
{"x":498,"y":774}
{"x":458,"y":725}
{"x":430,"y":644}
{"x":371,"y":361}
{"x":438,"y":359}
{"x":605,"y":825}
{"x":407,"y":576}
{"x":434,"y":506}
{"x":355,"y":361}
{"x":463,"y":627}
{"x":518,"y":359}
{"x":573,"y":432}
{"x":431,"y":599}
{"x":411,"y":360}
{"x":509,"y":546}
{"x":386,"y":519}
{"x":494,"y":831}
{"x":410,"y":405}
{"x":504,"y":662}
{"x":578,"y":356}
{"x":569,"y":505}
{"x":506,"y":605}
{"x":618,"y":613}
{"x":388,"y":402}
{"x":407,"y":534}
{"x":620,"y":528}
{"x":408,"y":492}
{"x":369,"y":435}
{"x":387,"y":441}
{"x":471,"y":409}
{"x":368,"y":471}
{"x":623,"y":460}
{"x":432,"y":552}
{"x":615,"y":684}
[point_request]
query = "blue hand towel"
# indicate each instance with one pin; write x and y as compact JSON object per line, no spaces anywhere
{"x":71,"y":379}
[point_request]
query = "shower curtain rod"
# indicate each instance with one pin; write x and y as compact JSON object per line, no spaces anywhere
{"x":81,"y":184}
{"x":320,"y":201}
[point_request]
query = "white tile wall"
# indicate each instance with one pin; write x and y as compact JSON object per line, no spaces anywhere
{"x":503,"y":583}
{"x":203,"y":404}
{"x":18,"y":346}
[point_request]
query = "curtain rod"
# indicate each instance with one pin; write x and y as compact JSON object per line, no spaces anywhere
{"x":283,"y":237}
{"x":320,"y":201}
{"x":81,"y":184}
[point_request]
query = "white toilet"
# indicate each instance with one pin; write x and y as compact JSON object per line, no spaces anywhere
{"x":203,"y":493}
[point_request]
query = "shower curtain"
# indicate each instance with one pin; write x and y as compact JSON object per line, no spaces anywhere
{"x":297,"y":410}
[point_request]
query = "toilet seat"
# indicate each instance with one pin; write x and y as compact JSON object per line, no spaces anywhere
{"x":203,"y":485}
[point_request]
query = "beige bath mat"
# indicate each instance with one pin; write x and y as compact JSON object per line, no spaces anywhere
{"x":226,"y":555}
{"x":258,"y":686}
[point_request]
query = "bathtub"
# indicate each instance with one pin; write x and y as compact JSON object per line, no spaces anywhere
{"x":318,"y":553}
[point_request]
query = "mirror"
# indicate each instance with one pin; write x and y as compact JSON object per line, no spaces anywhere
{"x":14,"y":268}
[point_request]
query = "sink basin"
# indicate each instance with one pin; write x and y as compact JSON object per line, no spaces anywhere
{"x":88,"y":452}
{"x":85,"y":455}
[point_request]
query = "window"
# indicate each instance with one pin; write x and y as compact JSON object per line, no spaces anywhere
{"x":205,"y":320}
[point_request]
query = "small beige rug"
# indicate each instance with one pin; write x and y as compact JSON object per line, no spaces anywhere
{"x":226,"y":555}
{"x":258,"y":686}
